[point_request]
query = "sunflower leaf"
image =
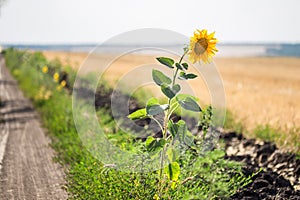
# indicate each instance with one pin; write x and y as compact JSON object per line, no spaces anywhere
{"x":191,"y":76}
{"x":176,"y":88}
{"x":173,"y":154}
{"x":183,"y":134}
{"x":154,"y":110}
{"x":153,"y":107}
{"x":172,"y":127}
{"x":184,"y":76}
{"x":139,"y":114}
{"x":178,"y":66}
{"x":167,"y":91}
{"x":154,"y":144}
{"x":188,"y":102}
{"x":170,"y":92}
{"x":185,"y":65}
{"x":159,"y":78}
{"x":166,"y":61}
{"x":173,"y":171}
{"x":152,"y":101}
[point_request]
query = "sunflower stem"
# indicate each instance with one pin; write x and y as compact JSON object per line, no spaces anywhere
{"x":174,"y":76}
{"x":164,"y":131}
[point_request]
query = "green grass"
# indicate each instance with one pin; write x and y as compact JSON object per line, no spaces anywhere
{"x":288,"y":140}
{"x":232,"y":124}
{"x":202,"y":176}
{"x":267,"y":133}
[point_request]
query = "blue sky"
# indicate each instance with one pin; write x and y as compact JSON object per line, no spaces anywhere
{"x":74,"y":21}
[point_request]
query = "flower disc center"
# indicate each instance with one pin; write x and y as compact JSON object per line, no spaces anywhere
{"x":201,"y":46}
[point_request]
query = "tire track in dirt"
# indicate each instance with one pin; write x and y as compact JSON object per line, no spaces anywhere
{"x":28,"y":170}
{"x":3,"y":126}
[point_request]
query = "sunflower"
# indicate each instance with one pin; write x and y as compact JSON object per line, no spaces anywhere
{"x":63,"y":83}
{"x":56,"y":77}
{"x":45,"y":69}
{"x":202,"y":46}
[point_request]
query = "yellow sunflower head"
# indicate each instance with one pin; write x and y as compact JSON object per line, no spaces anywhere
{"x":45,"y":69}
{"x":56,"y":77}
{"x":63,"y":83}
{"x":202,"y":46}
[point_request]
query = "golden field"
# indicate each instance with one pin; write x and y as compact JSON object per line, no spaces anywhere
{"x":259,"y":91}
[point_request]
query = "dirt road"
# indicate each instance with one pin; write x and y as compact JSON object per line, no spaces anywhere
{"x":27,"y":170}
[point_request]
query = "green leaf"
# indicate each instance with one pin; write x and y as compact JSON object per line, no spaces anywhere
{"x":152,"y":101}
{"x":173,"y":128}
{"x":173,"y":171}
{"x":181,"y":131}
{"x":160,"y":78}
{"x":167,"y":91}
{"x":191,"y":76}
{"x":166,"y":61}
{"x":170,"y":92}
{"x":178,"y":66}
{"x":176,"y":88}
{"x":149,"y":140}
{"x":184,"y":76}
{"x":153,"y":107}
{"x":183,"y":96}
{"x":183,"y":135}
{"x":139,"y":114}
{"x":188,"y":102}
{"x":156,"y":109}
{"x":189,"y":139}
{"x":154,"y":144}
{"x":185,"y":65}
{"x":173,"y":154}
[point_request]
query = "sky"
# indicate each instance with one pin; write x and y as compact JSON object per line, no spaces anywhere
{"x":94,"y":21}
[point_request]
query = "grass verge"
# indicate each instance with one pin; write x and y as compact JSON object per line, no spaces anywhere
{"x":287,"y":140}
{"x":207,"y":176}
{"x":232,"y":124}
